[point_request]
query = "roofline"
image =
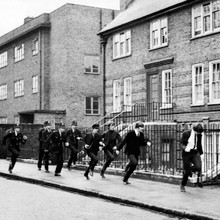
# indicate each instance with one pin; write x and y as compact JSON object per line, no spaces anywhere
{"x":148,"y":17}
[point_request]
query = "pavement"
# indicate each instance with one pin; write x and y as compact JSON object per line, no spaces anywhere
{"x":195,"y":203}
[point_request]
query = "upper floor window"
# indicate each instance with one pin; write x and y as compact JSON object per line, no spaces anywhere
{"x":122,"y":44}
{"x":92,"y":106}
{"x":117,"y":95}
{"x":3,"y":92}
{"x":167,"y":88}
{"x":158,"y":33}
{"x":197,"y":84}
{"x":35,"y":84}
{"x":127,"y":93}
{"x":3,"y":120}
{"x":35,"y":46}
{"x":19,"y":88}
{"x":3,"y":59}
{"x":214,"y":81}
{"x":19,"y":52}
{"x":91,"y":64}
{"x":206,"y":18}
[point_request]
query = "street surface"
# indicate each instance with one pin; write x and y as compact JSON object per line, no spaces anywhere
{"x":23,"y":201}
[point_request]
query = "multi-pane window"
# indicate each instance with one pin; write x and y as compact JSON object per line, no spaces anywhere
{"x":92,"y":106}
{"x":3,"y":120}
{"x":167,"y":88}
{"x":19,"y":52}
{"x":197,"y":84}
{"x":117,"y":95}
{"x":19,"y":88}
{"x":91,"y":64}
{"x":206,"y":18}
{"x":35,"y":84}
{"x":214,"y":81}
{"x":127,"y":93}
{"x":3,"y":92}
{"x":122,"y":44}
{"x":3,"y":59}
{"x":159,"y":36}
{"x":35,"y":46}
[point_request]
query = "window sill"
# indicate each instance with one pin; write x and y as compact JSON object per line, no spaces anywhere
{"x":121,"y":57}
{"x":92,"y":114}
{"x":213,"y":103}
{"x":159,"y":47}
{"x":91,"y":73}
{"x":197,"y":105}
{"x":205,"y":35}
{"x":166,"y":107}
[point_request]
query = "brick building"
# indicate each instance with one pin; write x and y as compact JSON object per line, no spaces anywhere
{"x":50,"y":67}
{"x":166,"y":55}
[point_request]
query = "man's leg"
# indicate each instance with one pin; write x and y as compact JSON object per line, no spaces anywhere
{"x":186,"y":169}
{"x":196,"y":160}
{"x":46,"y":161}
{"x":110,"y":158}
{"x":59,"y":164}
{"x":14,"y":155}
{"x":70,"y":159}
{"x":40,"y":158}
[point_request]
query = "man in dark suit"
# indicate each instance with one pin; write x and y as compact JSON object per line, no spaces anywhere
{"x":41,"y":150}
{"x":191,"y":150}
{"x":133,"y":140}
{"x":73,"y":135}
{"x":46,"y":144}
{"x":93,"y":141}
{"x":13,"y":139}
{"x":111,"y":139}
{"x":57,"y":139}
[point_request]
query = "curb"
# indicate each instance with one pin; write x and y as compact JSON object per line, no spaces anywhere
{"x":106,"y":197}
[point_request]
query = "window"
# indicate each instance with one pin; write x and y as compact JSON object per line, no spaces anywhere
{"x":116,"y":96}
{"x":197,"y":84}
{"x":206,"y":18}
{"x":92,"y":106}
{"x":35,"y":46}
{"x":3,"y":59}
{"x":19,"y":88}
{"x":19,"y":53}
{"x":35,"y":84}
{"x":3,"y":120}
{"x":3,"y":92}
{"x":159,"y":36}
{"x":127,"y":93}
{"x":214,"y":82}
{"x":91,"y":64}
{"x":122,"y":44}
{"x":167,"y":88}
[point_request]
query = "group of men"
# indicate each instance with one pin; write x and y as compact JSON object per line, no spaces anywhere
{"x":52,"y":143}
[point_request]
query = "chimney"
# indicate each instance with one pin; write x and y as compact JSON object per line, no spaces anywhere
{"x":27,"y":19}
{"x":124,"y":4}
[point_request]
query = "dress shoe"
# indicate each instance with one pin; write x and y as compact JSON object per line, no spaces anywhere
{"x":39,"y":168}
{"x":87,"y":176}
{"x":102,"y":175}
{"x":68,"y":168}
{"x":47,"y":171}
{"x":182,"y":188}
{"x":10,"y":170}
{"x":57,"y":174}
{"x":126,"y":182}
{"x":199,"y":184}
{"x":91,"y":173}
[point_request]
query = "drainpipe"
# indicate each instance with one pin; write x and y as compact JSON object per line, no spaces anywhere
{"x":40,"y":77}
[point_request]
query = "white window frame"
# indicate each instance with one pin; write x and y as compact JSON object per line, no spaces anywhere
{"x":197,"y":85}
{"x":122,"y":44}
{"x":3,"y":120}
{"x":199,"y":14}
{"x":19,"y":88}
{"x":35,"y":46}
{"x":117,"y":95}
{"x":167,"y":89}
{"x":19,"y":53}
{"x":158,"y":26}
{"x":92,"y":59}
{"x":3,"y":92}
{"x":212,"y":99}
{"x":92,"y":104}
{"x":35,"y":84}
{"x":128,"y":93}
{"x":3,"y":59}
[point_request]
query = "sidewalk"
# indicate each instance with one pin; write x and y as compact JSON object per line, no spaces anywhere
{"x":196,"y":203}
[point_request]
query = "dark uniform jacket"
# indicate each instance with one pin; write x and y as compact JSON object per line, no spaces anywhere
{"x":185,"y":138}
{"x":93,"y":142}
{"x":133,"y":143}
{"x":45,"y":136}
{"x":71,"y":138}
{"x":111,"y":139}
{"x":13,"y":140}
{"x":56,"y":141}
{"x":40,"y":135}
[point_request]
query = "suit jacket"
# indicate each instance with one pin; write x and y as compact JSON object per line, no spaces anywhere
{"x":133,"y":143}
{"x":13,"y":141}
{"x":185,"y":138}
{"x":93,"y":141}
{"x":40,"y":134}
{"x":71,"y":138}
{"x":111,"y":139}
{"x":45,"y":136}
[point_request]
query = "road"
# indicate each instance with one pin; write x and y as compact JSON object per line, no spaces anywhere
{"x":23,"y":201}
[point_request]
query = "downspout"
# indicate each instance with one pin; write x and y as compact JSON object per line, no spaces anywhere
{"x":40,"y":77}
